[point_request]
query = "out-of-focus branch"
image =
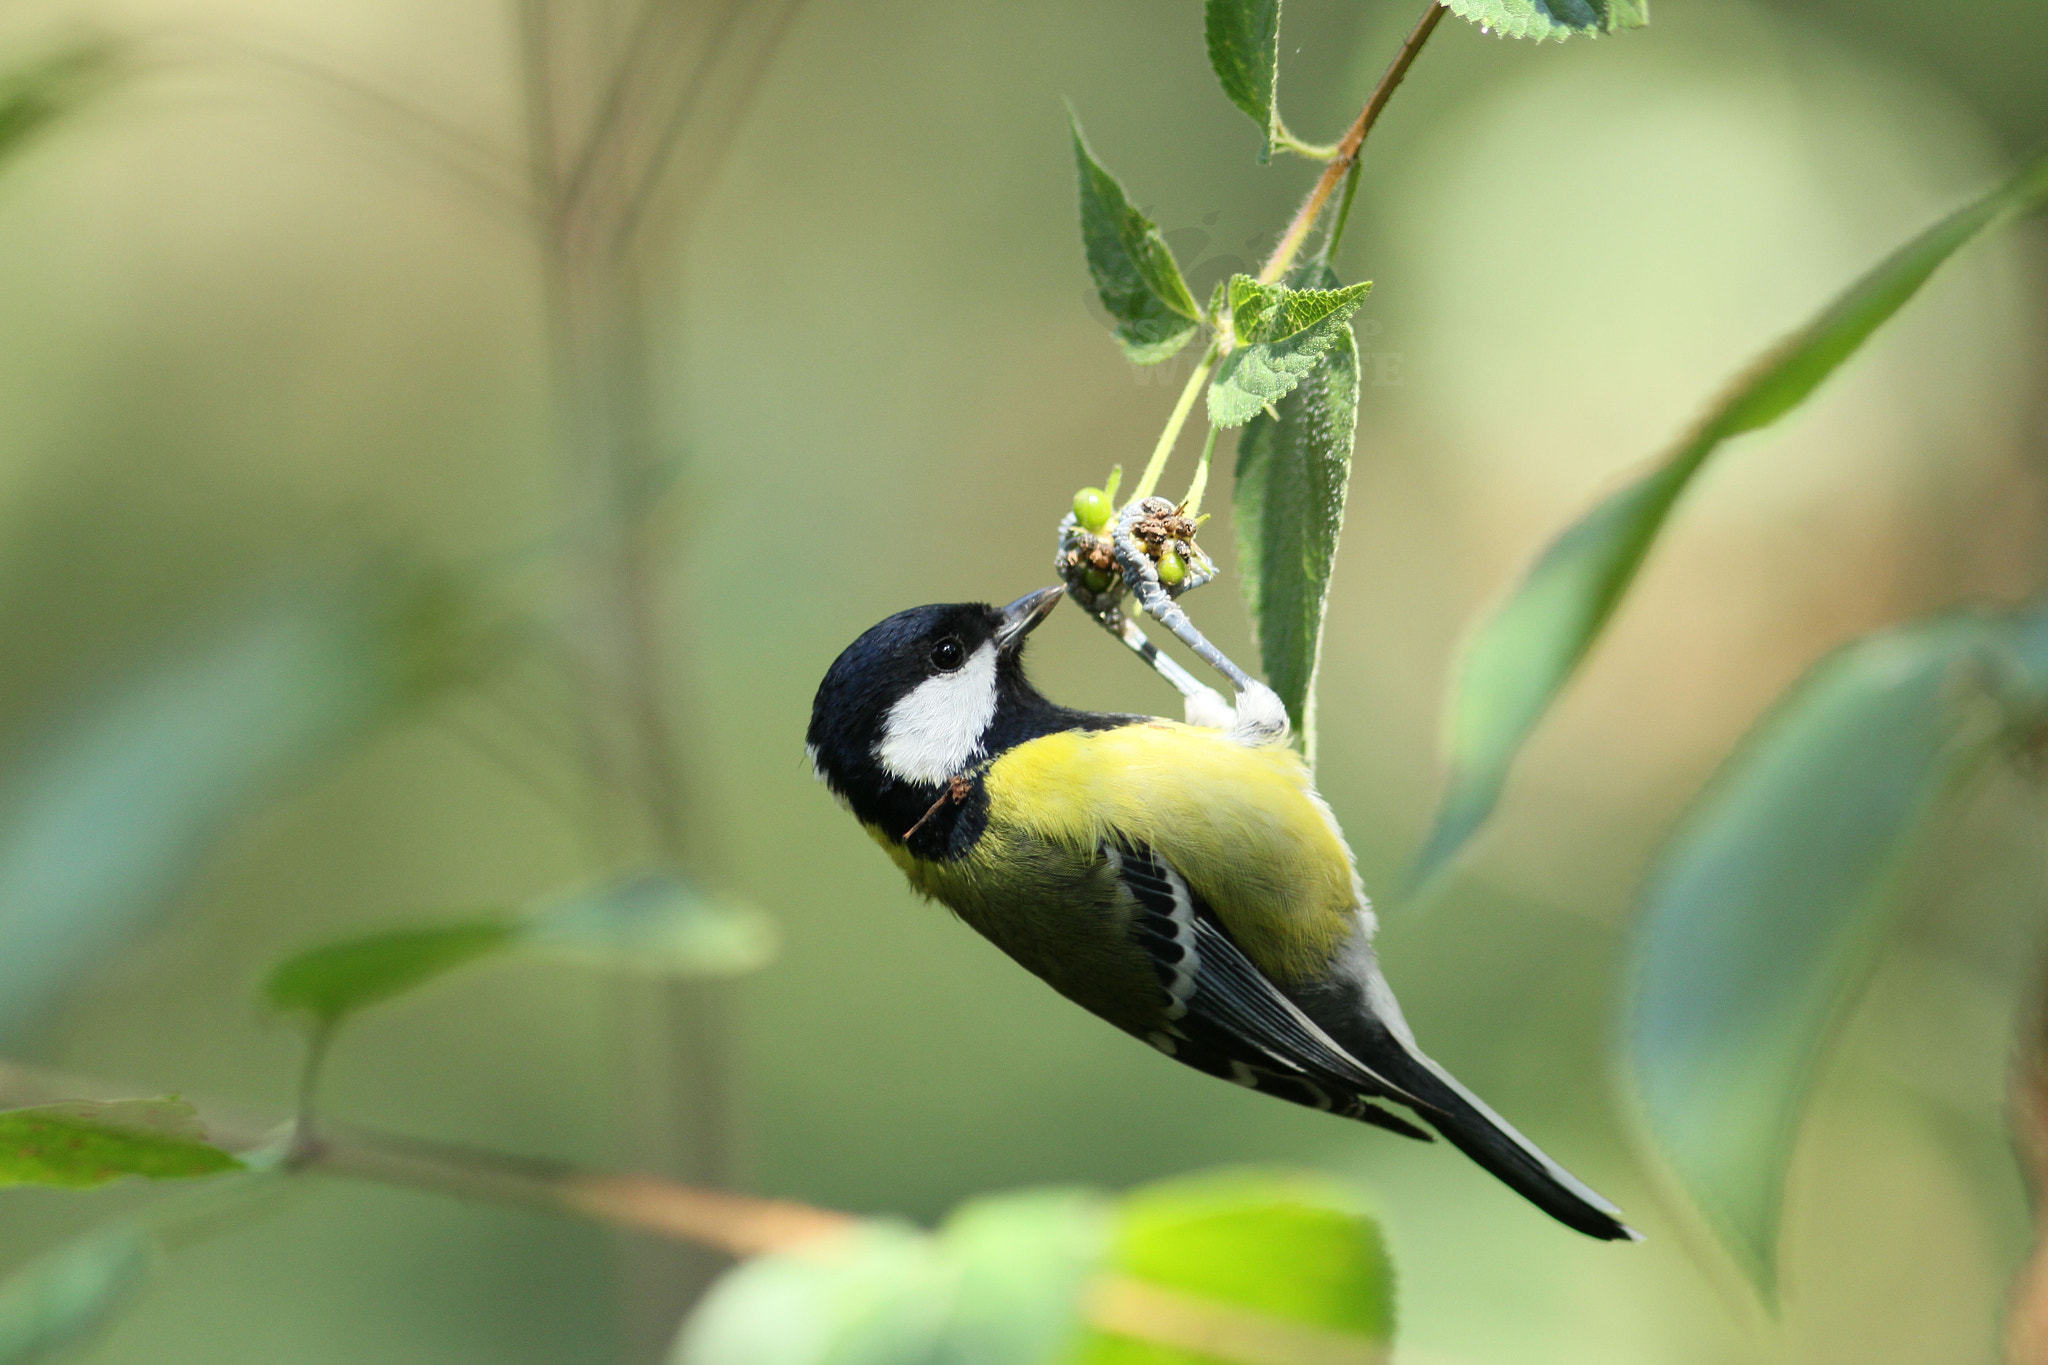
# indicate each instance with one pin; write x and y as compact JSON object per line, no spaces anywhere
{"x":735,"y":1224}
{"x":2027,"y":1322}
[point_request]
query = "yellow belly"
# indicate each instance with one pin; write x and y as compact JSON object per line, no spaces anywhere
{"x":1243,"y":825}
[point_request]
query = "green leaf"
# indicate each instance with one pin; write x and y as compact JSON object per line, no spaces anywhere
{"x":999,"y":1284}
{"x":1244,"y":48}
{"x":1278,"y":1267}
{"x":63,"y":1298}
{"x":36,"y":94}
{"x":1559,"y":19}
{"x":643,"y":921}
{"x":81,"y":1143}
{"x":1291,"y":329}
{"x":655,"y":922}
{"x":102,"y":824}
{"x":1763,"y":920}
{"x":1257,"y":1267}
{"x":1522,"y":656}
{"x":1293,"y":472}
{"x":1134,"y":270}
{"x":333,"y":981}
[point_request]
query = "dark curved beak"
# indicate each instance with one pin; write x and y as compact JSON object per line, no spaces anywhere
{"x":1024,"y":613}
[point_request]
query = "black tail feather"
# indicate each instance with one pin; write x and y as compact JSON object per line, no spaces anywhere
{"x":1467,"y":1124}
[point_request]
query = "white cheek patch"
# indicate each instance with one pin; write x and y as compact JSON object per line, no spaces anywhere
{"x":935,"y":731}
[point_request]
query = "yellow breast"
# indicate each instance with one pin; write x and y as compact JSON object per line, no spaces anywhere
{"x":1243,"y":825}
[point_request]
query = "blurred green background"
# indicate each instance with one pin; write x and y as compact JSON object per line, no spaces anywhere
{"x":247,"y":329}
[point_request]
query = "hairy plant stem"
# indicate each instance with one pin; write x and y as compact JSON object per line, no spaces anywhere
{"x":1341,"y":167}
{"x":1148,"y":482}
{"x":1346,"y":159}
{"x":1343,"y":218}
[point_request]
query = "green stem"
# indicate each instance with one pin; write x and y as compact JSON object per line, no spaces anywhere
{"x":319,"y":1040}
{"x":1192,"y":504}
{"x":1343,"y":219}
{"x":1156,"y":466}
{"x":1314,"y":151}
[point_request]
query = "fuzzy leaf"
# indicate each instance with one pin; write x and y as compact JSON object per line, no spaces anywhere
{"x":64,"y":1297}
{"x":333,"y":981}
{"x":1559,"y":19}
{"x":1764,"y":916}
{"x":1293,"y":472}
{"x":1244,"y":49}
{"x":81,"y":1143}
{"x":1135,"y":273}
{"x":1292,"y":329}
{"x":1522,"y":656}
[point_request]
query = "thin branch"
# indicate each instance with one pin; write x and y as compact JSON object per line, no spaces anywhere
{"x":1347,"y":150}
{"x":651,"y":174}
{"x":612,"y":105}
{"x":2027,"y":1308}
{"x":1336,"y":234}
{"x":736,"y":1224}
{"x":486,"y":745}
{"x":464,"y":155}
{"x":537,"y":88}
{"x":1148,"y":481}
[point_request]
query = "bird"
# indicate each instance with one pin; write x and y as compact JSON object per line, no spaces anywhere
{"x":1184,"y":882}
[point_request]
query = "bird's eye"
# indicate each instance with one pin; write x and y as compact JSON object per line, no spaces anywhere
{"x":948,"y":654}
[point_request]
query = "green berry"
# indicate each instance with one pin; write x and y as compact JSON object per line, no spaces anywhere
{"x":1098,"y":580}
{"x":1172,"y":569}
{"x":1092,"y":509}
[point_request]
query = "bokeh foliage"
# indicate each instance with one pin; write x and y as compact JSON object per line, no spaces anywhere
{"x":860,"y":1101}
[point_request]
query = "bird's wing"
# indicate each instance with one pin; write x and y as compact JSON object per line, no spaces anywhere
{"x":1223,"y":1016}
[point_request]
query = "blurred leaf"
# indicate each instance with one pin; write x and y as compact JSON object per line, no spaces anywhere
{"x":102,"y":823}
{"x":1253,"y":1268}
{"x":63,"y":1298}
{"x":82,"y":1143}
{"x":1244,"y":48}
{"x":1292,"y":329}
{"x":1522,"y":656}
{"x":644,"y":921}
{"x":1249,"y":1267}
{"x":1559,"y":19}
{"x":1134,"y":269}
{"x":333,"y":981}
{"x":1293,"y":472}
{"x":1763,"y":918}
{"x":36,"y":94}
{"x":874,"y":1297}
{"x":655,"y":922}
{"x":999,"y":1284}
